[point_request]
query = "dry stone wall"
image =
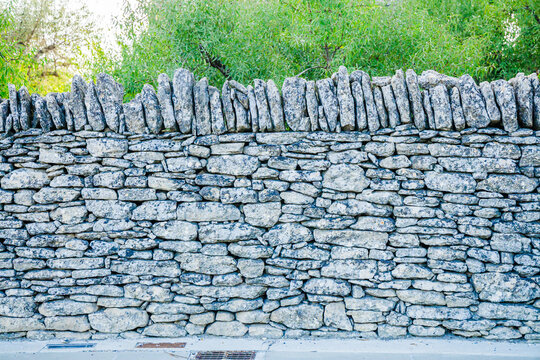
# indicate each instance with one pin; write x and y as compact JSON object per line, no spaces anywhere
{"x":115,"y":227}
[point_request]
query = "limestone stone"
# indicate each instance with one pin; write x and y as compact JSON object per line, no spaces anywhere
{"x":207,"y":211}
{"x":14,"y":325}
{"x":323,"y":286}
{"x":175,"y":230}
{"x":506,"y":100}
{"x":118,"y":320}
{"x":134,"y":115}
{"x":350,"y":269}
{"x":107,"y":147}
{"x":508,"y":184}
{"x":288,"y":233}
{"x":450,"y":182}
{"x":211,"y":265}
{"x":329,"y":102}
{"x":345,"y":100}
{"x":230,"y":232}
{"x":17,"y":306}
{"x":499,"y":287}
{"x":442,"y":111}
{"x":183,"y":82}
{"x":24,"y":179}
{"x":164,"y":95}
{"x":345,"y":177}
{"x":233,"y":164}
{"x":66,"y":308}
{"x":227,"y":328}
{"x":415,"y":98}
{"x":335,"y":316}
{"x":474,"y":106}
{"x":201,"y":101}
{"x":299,"y":316}
{"x":294,"y":104}
{"x":110,"y":95}
{"x":160,"y":210}
{"x":276,"y":109}
{"x":262,"y":214}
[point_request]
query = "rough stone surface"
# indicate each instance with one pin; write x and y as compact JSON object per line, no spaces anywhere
{"x":392,"y":233}
{"x":474,"y":106}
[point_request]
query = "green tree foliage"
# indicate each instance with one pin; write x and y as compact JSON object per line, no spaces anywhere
{"x":245,"y":39}
{"x":40,"y":42}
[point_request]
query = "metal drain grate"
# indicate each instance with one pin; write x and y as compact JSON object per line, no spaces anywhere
{"x":160,"y":345}
{"x":225,"y":355}
{"x":70,"y":346}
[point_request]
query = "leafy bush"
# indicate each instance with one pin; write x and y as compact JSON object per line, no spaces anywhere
{"x":243,"y":39}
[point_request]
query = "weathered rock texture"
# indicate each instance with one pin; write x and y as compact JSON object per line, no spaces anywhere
{"x":340,"y":103}
{"x":307,"y":233}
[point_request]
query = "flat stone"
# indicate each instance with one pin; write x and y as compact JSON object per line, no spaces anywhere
{"x":349,"y":238}
{"x":15,"y":325}
{"x":175,"y":230}
{"x":450,"y":182}
{"x":288,"y":233}
{"x":345,"y":177}
{"x":350,"y":269}
{"x":233,"y":164}
{"x":335,"y":316}
{"x":324,"y":286}
{"x":263,"y":214}
{"x":118,"y":320}
{"x":107,"y":147}
{"x":508,"y":311}
{"x":17,"y":306}
{"x":183,"y":82}
{"x":499,"y":287}
{"x":208,"y":211}
{"x":229,"y":328}
{"x":25,"y":179}
{"x":509,"y":184}
{"x":232,"y":232}
{"x":66,"y":308}
{"x":307,"y":317}
{"x":294,"y":104}
{"x":203,"y":264}
{"x":110,"y":209}
{"x":146,"y":267}
{"x":506,"y":100}
{"x":159,"y":210}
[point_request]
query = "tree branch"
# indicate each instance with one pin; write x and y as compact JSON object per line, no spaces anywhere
{"x":215,"y":62}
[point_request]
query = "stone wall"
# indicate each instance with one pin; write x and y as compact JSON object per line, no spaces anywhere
{"x":341,"y":103}
{"x":354,"y":234}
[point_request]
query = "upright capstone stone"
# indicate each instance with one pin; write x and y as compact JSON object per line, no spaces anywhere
{"x":415,"y":98}
{"x":276,"y":109}
{"x":96,"y":119}
{"x":345,"y":99}
{"x":202,"y":107}
{"x":294,"y":104}
{"x":110,"y":95}
{"x":152,"y":110}
{"x":263,"y":111}
{"x":491,"y":106}
{"x":133,"y":112}
{"x":505,"y":98}
{"x":399,"y":87}
{"x":457,"y":111}
{"x":524,"y":97}
{"x":77,"y":102}
{"x":25,"y":103}
{"x":474,"y":106}
{"x":183,"y":83}
{"x":164,"y":95}
{"x":442,"y":112}
{"x":329,"y":102}
{"x":216,"y":111}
